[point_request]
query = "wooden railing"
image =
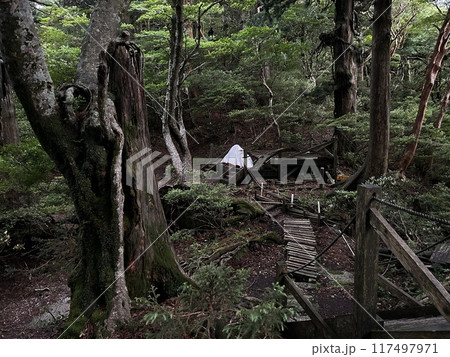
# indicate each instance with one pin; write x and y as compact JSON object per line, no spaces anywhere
{"x":370,"y":226}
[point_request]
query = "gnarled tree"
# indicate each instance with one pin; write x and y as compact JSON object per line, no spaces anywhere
{"x":89,"y":137}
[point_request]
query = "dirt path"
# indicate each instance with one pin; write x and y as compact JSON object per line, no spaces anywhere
{"x":33,"y":305}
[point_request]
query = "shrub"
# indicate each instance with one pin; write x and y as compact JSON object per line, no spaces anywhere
{"x":213,"y":308}
{"x":203,"y":204}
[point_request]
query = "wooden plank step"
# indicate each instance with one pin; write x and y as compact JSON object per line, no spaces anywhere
{"x":297,"y":236}
{"x":301,"y":248}
{"x":305,"y":258}
{"x":299,"y":227}
{"x":296,"y":267}
{"x":302,"y":262}
{"x":296,"y":241}
{"x":299,"y":245}
{"x":297,"y":221}
{"x":297,"y":257}
{"x":307,"y":241}
{"x":299,"y":233}
{"x":298,"y":224}
{"x":422,"y":327}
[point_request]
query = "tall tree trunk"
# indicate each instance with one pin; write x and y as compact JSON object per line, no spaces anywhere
{"x":432,"y":72}
{"x":105,"y":20}
{"x":443,"y":107}
{"x":345,"y":63}
{"x":378,"y":154}
{"x":440,"y":117}
{"x":9,"y":131}
{"x":174,"y":132}
{"x":265,"y":75}
{"x":146,"y":237}
{"x":87,"y":144}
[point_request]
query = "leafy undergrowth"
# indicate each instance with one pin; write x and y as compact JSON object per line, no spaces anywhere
{"x":217,"y":308}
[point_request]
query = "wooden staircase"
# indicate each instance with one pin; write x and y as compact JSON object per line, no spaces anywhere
{"x":300,"y":247}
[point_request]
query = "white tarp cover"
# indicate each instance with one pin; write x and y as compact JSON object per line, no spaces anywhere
{"x":235,"y":156}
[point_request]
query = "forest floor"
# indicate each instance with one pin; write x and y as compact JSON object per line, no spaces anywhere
{"x":34,"y":297}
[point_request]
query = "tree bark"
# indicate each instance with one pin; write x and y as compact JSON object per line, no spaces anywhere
{"x":345,"y":61}
{"x":443,"y":108}
{"x":105,"y":20}
{"x":148,"y":252}
{"x":432,"y":72}
{"x":377,"y":158}
{"x":173,"y":129}
{"x":9,"y":130}
{"x":265,"y":75}
{"x":88,"y":145}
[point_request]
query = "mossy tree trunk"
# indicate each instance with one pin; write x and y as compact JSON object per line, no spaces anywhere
{"x":148,"y":252}
{"x":88,"y":137}
{"x":378,"y":153}
{"x":9,"y":130}
{"x":345,"y":60}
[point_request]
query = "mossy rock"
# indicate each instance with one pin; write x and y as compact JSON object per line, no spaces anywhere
{"x":245,"y":208}
{"x":271,"y":236}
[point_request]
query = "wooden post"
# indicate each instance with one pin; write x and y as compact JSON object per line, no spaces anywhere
{"x":322,"y":173}
{"x":366,"y":262}
{"x":335,"y":157}
{"x":245,"y":163}
{"x":281,"y":270}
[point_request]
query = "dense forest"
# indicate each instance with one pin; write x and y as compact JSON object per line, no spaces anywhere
{"x":93,"y":245}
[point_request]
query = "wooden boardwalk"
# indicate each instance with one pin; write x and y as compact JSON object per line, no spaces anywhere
{"x":423,"y":327}
{"x":300,"y":247}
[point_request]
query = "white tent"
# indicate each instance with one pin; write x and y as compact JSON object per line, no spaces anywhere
{"x":235,"y":157}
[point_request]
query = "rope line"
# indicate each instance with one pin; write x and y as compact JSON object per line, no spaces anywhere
{"x":412,"y":212}
{"x":333,"y":242}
